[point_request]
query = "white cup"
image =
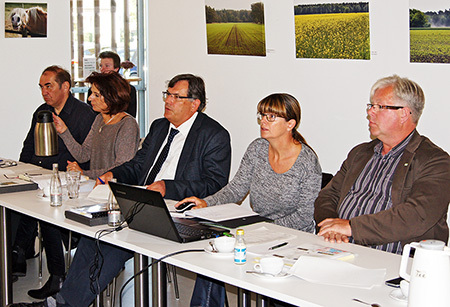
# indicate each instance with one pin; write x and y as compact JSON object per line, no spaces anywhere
{"x":271,"y":265}
{"x":404,"y":286}
{"x":224,"y":244}
{"x":73,"y":183}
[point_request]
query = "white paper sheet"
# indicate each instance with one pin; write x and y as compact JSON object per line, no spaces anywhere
{"x":100,"y":193}
{"x":221,"y":212}
{"x":336,"y":273}
{"x":44,"y":180}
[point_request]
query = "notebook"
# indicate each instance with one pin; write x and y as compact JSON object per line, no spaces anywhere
{"x":145,"y":211}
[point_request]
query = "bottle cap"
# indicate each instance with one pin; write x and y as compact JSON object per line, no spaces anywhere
{"x":240,"y":232}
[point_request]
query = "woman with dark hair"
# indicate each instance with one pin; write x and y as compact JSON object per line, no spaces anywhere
{"x":114,"y":135}
{"x":281,"y":173}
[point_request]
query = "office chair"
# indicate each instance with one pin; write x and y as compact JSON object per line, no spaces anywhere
{"x":67,"y":252}
{"x":326,"y":177}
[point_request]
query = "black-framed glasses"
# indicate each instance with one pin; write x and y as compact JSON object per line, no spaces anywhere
{"x":167,"y":94}
{"x":378,"y":107}
{"x":270,"y":117}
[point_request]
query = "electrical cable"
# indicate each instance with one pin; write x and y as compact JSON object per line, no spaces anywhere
{"x":152,"y":263}
{"x":97,"y":265}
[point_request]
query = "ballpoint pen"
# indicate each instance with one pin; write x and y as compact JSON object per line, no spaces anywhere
{"x":278,"y":246}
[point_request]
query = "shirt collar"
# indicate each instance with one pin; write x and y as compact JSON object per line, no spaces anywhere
{"x":397,"y":150}
{"x":67,"y":107}
{"x":185,"y":127}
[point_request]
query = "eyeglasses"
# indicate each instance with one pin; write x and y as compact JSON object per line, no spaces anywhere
{"x":268,"y":116}
{"x":4,"y":164}
{"x":167,"y":94}
{"x":377,"y":107}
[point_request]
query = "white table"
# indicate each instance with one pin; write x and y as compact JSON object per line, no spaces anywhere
{"x":292,"y":289}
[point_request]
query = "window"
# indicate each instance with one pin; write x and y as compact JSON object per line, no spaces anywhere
{"x":115,"y":25}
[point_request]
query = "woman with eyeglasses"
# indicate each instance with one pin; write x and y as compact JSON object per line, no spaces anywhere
{"x":114,"y":135}
{"x":281,"y":173}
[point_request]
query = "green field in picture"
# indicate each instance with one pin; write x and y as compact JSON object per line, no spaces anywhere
{"x":236,"y":38}
{"x":333,"y":36}
{"x":430,"y":45}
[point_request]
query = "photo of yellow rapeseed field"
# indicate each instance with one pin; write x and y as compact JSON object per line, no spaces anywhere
{"x":429,"y":27}
{"x":235,"y":27}
{"x":332,"y":30}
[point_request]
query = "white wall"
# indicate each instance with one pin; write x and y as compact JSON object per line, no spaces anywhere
{"x":332,"y":93}
{"x":22,"y":62}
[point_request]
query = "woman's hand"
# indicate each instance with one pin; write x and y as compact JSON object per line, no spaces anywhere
{"x":59,"y":124}
{"x":199,"y":203}
{"x":73,"y":166}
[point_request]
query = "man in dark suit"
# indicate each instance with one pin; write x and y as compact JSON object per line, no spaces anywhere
{"x":196,"y":162}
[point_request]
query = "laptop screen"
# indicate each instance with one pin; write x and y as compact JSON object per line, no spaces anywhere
{"x":145,"y":210}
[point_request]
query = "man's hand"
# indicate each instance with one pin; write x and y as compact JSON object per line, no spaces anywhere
{"x":158,"y":186}
{"x":335,"y":230}
{"x":105,"y":178}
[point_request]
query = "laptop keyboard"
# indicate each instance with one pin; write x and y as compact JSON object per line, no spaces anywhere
{"x":189,"y":231}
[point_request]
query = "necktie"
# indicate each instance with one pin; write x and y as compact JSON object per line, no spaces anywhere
{"x":162,"y":157}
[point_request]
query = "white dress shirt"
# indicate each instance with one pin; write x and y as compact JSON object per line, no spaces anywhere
{"x":169,"y":166}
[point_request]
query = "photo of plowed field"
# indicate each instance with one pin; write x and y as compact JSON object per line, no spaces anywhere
{"x":236,"y":38}
{"x":430,"y":45}
{"x":333,"y":36}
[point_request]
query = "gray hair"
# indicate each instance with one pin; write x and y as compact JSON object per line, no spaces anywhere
{"x":405,"y":90}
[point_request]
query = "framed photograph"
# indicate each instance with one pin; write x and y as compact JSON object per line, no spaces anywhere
{"x":337,"y":30}
{"x":24,"y":20}
{"x":429,"y":31}
{"x":235,"y":27}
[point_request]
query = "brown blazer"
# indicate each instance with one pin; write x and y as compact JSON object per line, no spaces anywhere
{"x":420,"y":195}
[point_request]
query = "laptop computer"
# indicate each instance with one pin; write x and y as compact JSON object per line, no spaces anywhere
{"x":145,"y":210}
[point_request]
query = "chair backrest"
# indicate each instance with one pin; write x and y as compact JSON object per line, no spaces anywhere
{"x":326,"y":177}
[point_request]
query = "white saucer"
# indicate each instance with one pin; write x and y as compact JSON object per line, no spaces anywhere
{"x":398,"y":295}
{"x":279,"y":276}
{"x":208,"y":249}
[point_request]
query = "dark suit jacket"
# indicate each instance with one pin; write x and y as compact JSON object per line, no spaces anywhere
{"x":420,"y":195}
{"x":204,"y":164}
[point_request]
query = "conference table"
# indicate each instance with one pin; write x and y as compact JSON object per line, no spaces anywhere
{"x":292,"y":289}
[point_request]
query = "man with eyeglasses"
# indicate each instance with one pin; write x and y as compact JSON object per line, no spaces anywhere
{"x":185,"y":153}
{"x":395,"y":189}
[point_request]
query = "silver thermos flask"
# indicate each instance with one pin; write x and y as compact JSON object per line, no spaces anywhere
{"x":45,"y":135}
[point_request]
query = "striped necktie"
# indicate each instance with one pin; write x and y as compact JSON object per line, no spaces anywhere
{"x":162,"y":157}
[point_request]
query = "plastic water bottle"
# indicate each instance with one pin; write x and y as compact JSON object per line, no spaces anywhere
{"x":240,"y":249}
{"x":55,"y":188}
